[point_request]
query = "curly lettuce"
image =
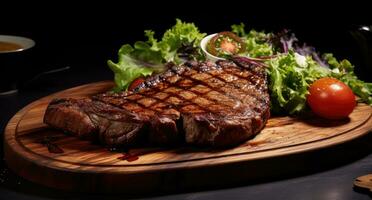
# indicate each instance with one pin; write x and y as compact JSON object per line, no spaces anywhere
{"x":290,"y":76}
{"x":178,"y":44}
{"x":257,"y":44}
{"x":344,"y":71}
{"x":133,"y":63}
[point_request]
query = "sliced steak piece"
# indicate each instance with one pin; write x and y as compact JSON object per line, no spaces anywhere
{"x":202,"y":103}
{"x":93,"y":119}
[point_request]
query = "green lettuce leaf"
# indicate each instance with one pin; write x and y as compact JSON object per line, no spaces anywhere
{"x":256,"y":42}
{"x":147,"y":57}
{"x":134,"y":63}
{"x":290,"y":77}
{"x":344,"y":71}
{"x":181,"y":34}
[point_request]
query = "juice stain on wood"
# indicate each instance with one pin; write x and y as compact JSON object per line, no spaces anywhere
{"x":52,"y":147}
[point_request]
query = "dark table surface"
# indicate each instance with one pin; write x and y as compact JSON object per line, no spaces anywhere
{"x":324,"y":174}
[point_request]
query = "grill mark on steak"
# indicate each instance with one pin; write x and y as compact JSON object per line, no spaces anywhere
{"x":172,"y":95}
{"x":192,"y":100}
{"x":184,"y":100}
{"x":196,"y":96}
{"x":206,"y":103}
{"x":211,"y":88}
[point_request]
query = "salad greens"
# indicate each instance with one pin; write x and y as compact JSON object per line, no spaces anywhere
{"x":344,"y":71}
{"x":291,"y":74}
{"x":256,"y":42}
{"x":133,"y":63}
{"x":290,"y":77}
{"x":145,"y":58}
{"x":291,"y":67}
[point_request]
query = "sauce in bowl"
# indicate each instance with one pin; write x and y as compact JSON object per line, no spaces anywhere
{"x":225,"y":44}
{"x":220,"y":46}
{"x":9,"y":46}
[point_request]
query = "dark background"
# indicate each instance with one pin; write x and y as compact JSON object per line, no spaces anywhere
{"x":85,"y":34}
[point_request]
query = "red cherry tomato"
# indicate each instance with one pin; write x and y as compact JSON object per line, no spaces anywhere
{"x":330,"y":98}
{"x":136,"y":83}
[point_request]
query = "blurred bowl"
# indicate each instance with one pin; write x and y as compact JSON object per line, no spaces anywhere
{"x":15,"y":62}
{"x":23,"y":43}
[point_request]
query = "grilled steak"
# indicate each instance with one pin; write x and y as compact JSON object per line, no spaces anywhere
{"x":202,"y":103}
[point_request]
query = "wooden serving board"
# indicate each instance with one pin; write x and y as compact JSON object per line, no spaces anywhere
{"x":85,"y":166}
{"x":364,"y":182}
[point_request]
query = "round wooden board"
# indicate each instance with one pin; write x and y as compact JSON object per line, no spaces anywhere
{"x":84,"y":166}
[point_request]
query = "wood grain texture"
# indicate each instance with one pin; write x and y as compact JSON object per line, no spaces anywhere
{"x":84,"y":166}
{"x":364,"y":182}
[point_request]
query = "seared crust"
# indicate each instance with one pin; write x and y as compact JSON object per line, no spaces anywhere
{"x":213,"y":104}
